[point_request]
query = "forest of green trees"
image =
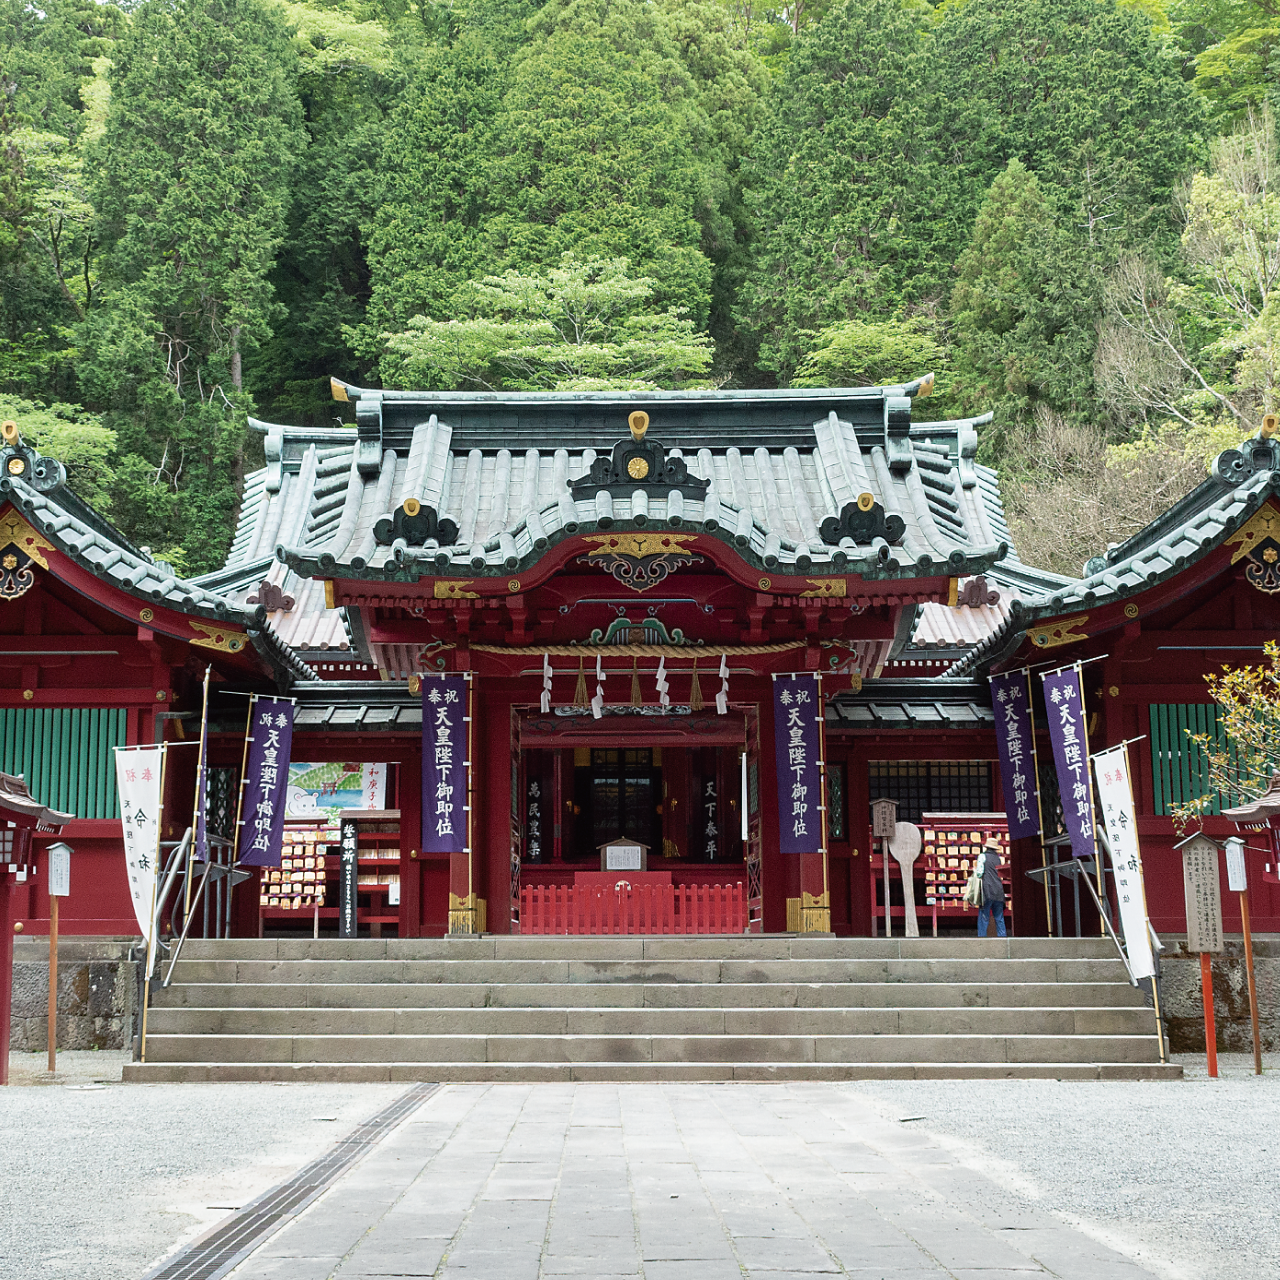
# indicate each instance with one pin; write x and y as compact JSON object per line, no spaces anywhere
{"x":1064,"y":208}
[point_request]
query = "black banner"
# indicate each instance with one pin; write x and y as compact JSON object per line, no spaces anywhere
{"x":348,"y":865}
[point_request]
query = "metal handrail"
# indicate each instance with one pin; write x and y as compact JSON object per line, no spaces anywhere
{"x":177,"y":862}
{"x":1073,"y":868}
{"x":186,"y":926}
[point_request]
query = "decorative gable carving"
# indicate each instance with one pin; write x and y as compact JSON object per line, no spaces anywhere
{"x":863,"y":521}
{"x":416,"y":524}
{"x":1257,"y":542}
{"x":638,"y":463}
{"x":271,"y":598}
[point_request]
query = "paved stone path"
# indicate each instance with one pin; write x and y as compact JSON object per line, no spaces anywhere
{"x":670,"y":1182}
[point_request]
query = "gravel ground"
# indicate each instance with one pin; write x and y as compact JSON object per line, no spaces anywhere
{"x":1181,"y":1177}
{"x":101,"y":1180}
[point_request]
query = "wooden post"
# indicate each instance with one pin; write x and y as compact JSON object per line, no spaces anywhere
{"x":888,"y":915}
{"x":8,"y":928}
{"x":53,"y":984}
{"x":1253,"y":990}
{"x":884,"y":821}
{"x":1204,"y":923}
{"x":1210,"y":1032}
{"x":1238,"y":881}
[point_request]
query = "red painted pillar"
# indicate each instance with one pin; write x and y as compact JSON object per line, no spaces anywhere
{"x":409,"y":802}
{"x":6,"y":969}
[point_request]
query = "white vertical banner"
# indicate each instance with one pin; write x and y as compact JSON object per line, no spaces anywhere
{"x":138,"y":777}
{"x":1115,"y":795}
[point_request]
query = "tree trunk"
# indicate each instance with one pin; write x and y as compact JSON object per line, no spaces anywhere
{"x":237,"y":373}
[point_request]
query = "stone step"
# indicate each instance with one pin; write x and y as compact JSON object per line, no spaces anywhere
{"x":625,"y":1022}
{"x":650,"y":1048}
{"x":774,"y":1007}
{"x":536,"y":1072}
{"x":949,"y":969}
{"x":780,"y":995}
{"x":759,"y":947}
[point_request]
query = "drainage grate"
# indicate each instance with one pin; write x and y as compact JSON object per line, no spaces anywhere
{"x":229,"y":1243}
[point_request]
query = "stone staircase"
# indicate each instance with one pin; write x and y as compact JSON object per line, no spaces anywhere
{"x":649,"y":1008}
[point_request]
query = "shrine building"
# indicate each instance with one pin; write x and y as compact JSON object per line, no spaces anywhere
{"x":621,"y":578}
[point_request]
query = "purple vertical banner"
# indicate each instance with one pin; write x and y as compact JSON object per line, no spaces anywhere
{"x":1015,"y":742}
{"x":797,"y":739}
{"x":1064,"y":709}
{"x":446,"y":763}
{"x":266,"y":781}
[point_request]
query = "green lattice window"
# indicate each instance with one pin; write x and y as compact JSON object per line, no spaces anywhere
{"x":65,"y":755}
{"x":1179,"y":768}
{"x":836,"y":825}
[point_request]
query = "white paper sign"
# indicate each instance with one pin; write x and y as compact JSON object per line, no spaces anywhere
{"x":1115,"y":795}
{"x":59,"y":871}
{"x":138,"y":772}
{"x":1237,"y":879}
{"x":622,"y":857}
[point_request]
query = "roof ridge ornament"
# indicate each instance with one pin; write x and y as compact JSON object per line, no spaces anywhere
{"x":1260,"y":453}
{"x":639,"y":462}
{"x":417,"y":524}
{"x":863,"y":521}
{"x":19,"y":461}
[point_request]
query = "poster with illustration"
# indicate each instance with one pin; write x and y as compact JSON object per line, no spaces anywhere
{"x":322,"y":791}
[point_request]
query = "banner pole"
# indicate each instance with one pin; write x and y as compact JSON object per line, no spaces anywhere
{"x":1035,"y":773}
{"x":1146,"y":918}
{"x":151,"y":941}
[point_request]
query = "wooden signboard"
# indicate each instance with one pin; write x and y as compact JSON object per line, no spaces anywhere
{"x":1203,"y":894}
{"x":624,"y":855}
{"x":884,"y":818}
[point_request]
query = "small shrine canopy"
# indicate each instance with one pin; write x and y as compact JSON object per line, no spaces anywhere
{"x":482,"y":484}
{"x":1259,"y":812}
{"x":19,"y":806}
{"x":1216,"y":512}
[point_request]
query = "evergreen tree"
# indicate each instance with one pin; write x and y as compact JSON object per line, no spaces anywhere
{"x":347,"y":83}
{"x":1026,"y":307}
{"x":583,"y":326}
{"x":52,"y":64}
{"x":891,"y":122}
{"x":596,"y":153}
{"x":613,"y":130}
{"x":842,"y":181}
{"x":1083,"y":93}
{"x":192,"y":187}
{"x":425,"y":236}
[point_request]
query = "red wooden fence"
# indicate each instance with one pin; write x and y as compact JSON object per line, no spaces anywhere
{"x":680,"y":908}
